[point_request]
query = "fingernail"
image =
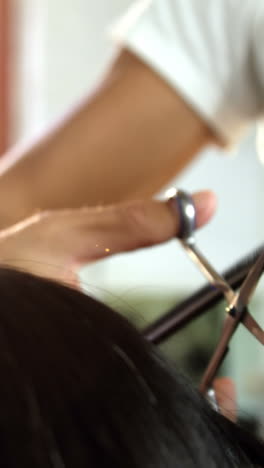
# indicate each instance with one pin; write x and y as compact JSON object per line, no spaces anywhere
{"x":205,"y":204}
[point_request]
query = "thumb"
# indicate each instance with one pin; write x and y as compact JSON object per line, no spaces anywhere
{"x":225,"y":393}
{"x":132,"y":225}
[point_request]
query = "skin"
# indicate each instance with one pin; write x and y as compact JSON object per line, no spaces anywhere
{"x":125,"y":142}
{"x":32,"y":245}
{"x":225,"y":392}
{"x":40,"y":246}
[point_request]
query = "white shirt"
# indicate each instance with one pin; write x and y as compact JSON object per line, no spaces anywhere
{"x":210,"y":51}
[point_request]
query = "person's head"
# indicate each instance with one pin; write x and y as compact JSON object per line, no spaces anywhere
{"x":80,"y":388}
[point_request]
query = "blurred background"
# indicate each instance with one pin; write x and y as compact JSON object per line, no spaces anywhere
{"x":57,"y":52}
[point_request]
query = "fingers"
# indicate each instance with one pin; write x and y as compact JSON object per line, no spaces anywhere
{"x":225,"y":393}
{"x":205,"y":205}
{"x":70,"y":238}
{"x":133,"y":225}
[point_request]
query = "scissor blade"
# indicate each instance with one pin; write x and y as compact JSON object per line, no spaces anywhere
{"x":221,"y":350}
{"x":250,"y":283}
{"x":253,"y":327}
{"x":209,"y":272}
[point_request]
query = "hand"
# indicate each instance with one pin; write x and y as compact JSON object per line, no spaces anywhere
{"x":55,"y":244}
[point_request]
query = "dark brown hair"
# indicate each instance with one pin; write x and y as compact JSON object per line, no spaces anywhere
{"x":80,"y":388}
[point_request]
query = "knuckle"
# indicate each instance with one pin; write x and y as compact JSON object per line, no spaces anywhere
{"x":45,"y":214}
{"x":138,"y":222}
{"x":39,"y":216}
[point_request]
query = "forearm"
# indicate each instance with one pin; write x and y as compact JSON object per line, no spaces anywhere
{"x":125,"y":142}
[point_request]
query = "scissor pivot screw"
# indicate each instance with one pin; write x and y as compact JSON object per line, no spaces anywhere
{"x":231,"y":310}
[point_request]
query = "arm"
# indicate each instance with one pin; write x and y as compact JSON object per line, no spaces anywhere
{"x":136,"y":132}
{"x":125,"y":142}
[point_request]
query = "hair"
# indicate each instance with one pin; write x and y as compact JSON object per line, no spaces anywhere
{"x":81,"y":388}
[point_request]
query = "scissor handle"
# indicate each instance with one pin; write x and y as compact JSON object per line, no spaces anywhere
{"x":183,"y":204}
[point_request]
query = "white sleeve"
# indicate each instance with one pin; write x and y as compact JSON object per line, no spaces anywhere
{"x":210,"y":51}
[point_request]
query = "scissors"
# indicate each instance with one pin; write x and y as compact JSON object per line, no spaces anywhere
{"x":237,"y":302}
